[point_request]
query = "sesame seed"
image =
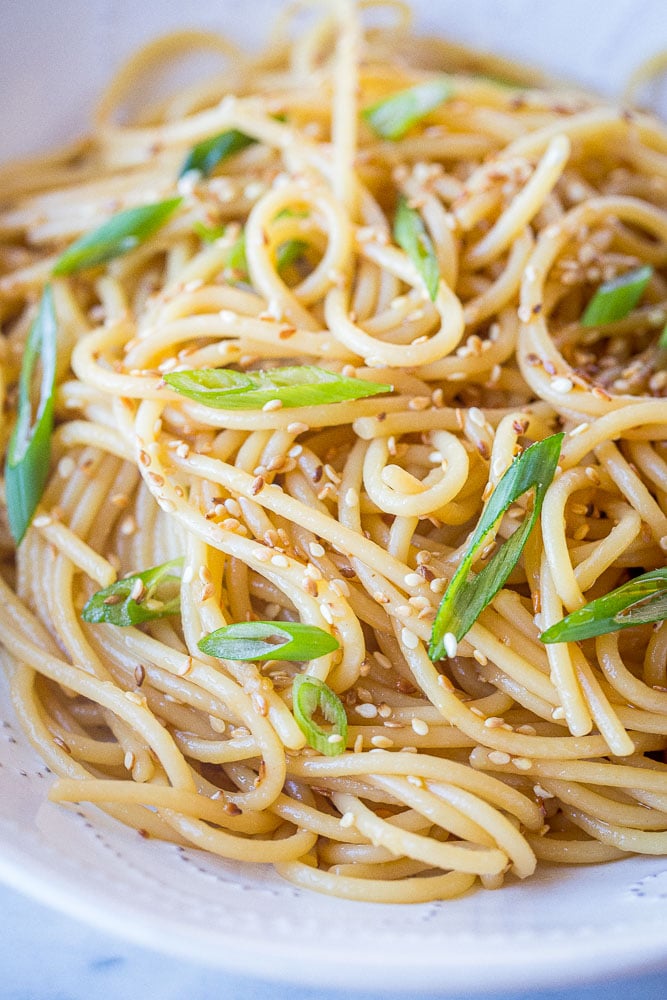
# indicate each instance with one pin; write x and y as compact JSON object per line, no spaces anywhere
{"x":562,"y":384}
{"x":42,"y":521}
{"x":129,"y":760}
{"x":257,"y":486}
{"x":413,"y":779}
{"x":367,"y":710}
{"x":493,"y":722}
{"x":526,"y":730}
{"x":383,"y":661}
{"x":409,"y":638}
{"x":480,"y":657}
{"x":524,"y":313}
{"x":280,"y":561}
{"x":600,"y":393}
{"x":498,"y":757}
{"x":260,"y":704}
{"x":384,"y":710}
{"x":138,"y":590}
{"x":593,"y":475}
{"x":522,"y":763}
{"x":542,"y":793}
{"x":358,"y":744}
{"x":316,"y":549}
{"x":558,"y":713}
{"x":450,"y":644}
{"x":325,"y":611}
{"x":217,"y":725}
{"x":273,"y":404}
{"x":420,"y":727}
{"x":382,"y":742}
{"x":297,"y":427}
{"x":413,"y":579}
{"x":335,"y":738}
{"x":444,"y":682}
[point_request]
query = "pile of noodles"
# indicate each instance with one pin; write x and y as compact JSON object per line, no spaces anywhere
{"x":351,"y":516}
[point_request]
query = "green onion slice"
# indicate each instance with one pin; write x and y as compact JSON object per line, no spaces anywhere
{"x":115,"y":237}
{"x":637,"y":602}
{"x":393,"y":116}
{"x":615,"y":299}
{"x":303,"y":385}
{"x":209,"y":234}
{"x":268,"y":641}
{"x":289,"y":253}
{"x":310,"y":695}
{"x":410,"y":234}
{"x":467,"y":595}
{"x":29,"y":450}
{"x":156,"y":594}
{"x":207,"y":154}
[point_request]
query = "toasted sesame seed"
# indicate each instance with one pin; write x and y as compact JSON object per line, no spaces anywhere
{"x":542,"y":793}
{"x":279,"y":560}
{"x":334,"y":738}
{"x":316,"y":549}
{"x":444,"y":682}
{"x":366,"y":710}
{"x":522,"y":763}
{"x":413,"y":579}
{"x":358,"y":744}
{"x":138,"y":590}
{"x":42,"y":521}
{"x":382,"y":742}
{"x":273,"y":404}
{"x":216,"y":724}
{"x":420,"y":727}
{"x":450,"y":644}
{"x":562,"y":384}
{"x":383,"y":661}
{"x":409,"y":638}
{"x":297,"y":427}
{"x":593,"y":475}
{"x":498,"y":757}
{"x":526,"y":730}
{"x":494,"y":722}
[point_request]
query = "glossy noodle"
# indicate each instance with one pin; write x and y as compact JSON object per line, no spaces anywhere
{"x":347,"y":515}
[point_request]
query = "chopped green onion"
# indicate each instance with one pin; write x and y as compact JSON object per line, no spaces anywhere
{"x":289,"y":253}
{"x":637,"y":602}
{"x":268,"y":641}
{"x":209,"y":234}
{"x":467,"y":595}
{"x":615,"y":299}
{"x":310,"y":695}
{"x":207,"y":154}
{"x":410,"y":234}
{"x":662,"y":342}
{"x":303,"y":385}
{"x":115,"y":237}
{"x":393,"y":116}
{"x":29,"y":450}
{"x":140,"y":597}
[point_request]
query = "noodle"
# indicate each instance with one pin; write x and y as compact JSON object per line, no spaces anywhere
{"x":348,"y":516}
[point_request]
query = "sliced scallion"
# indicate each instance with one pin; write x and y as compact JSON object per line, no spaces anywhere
{"x":615,"y":299}
{"x":115,"y":237}
{"x":410,"y":234}
{"x":310,"y":695}
{"x":207,"y":154}
{"x":637,"y":602}
{"x":467,"y":595}
{"x":29,"y":449}
{"x":395,"y":115}
{"x":303,"y":385}
{"x":140,"y":597}
{"x":268,"y":641}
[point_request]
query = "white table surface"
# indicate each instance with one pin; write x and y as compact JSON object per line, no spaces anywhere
{"x":47,"y":956}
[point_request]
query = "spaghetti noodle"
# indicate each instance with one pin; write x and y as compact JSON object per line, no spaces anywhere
{"x":278,"y":247}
